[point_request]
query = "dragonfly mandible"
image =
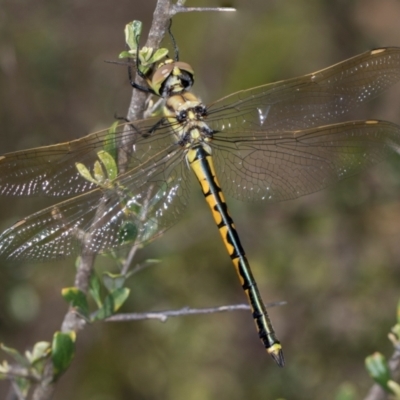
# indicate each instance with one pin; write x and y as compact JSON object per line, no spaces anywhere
{"x":273,"y":142}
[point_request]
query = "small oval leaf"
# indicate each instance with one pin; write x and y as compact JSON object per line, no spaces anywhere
{"x":40,"y":351}
{"x":378,"y":368}
{"x":110,"y":142}
{"x":109,"y":164}
{"x":158,"y":55}
{"x":62,"y":351}
{"x":77,"y":299}
{"x":105,"y":311}
{"x":84,"y":172}
{"x":119,"y":297}
{"x":132,"y":34}
{"x":98,"y":173}
{"x":94,"y":290}
{"x":127,"y":233}
{"x":113,"y":281}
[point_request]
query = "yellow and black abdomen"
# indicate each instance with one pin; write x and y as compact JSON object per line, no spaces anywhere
{"x":202,"y":164}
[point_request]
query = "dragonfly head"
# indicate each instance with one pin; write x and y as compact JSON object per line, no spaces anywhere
{"x":172,"y":77}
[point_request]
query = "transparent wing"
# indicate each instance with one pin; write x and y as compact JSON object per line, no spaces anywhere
{"x":51,"y":170}
{"x":287,"y":165}
{"x":298,"y":103}
{"x":316,"y":99}
{"x":137,"y":206}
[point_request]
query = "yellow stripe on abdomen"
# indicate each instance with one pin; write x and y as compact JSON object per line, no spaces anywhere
{"x":202,"y":165}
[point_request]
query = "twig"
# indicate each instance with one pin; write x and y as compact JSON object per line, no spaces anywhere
{"x":128,"y":260}
{"x":17,"y":391}
{"x":16,"y":371}
{"x":180,"y":4}
{"x":164,"y":315}
{"x":176,"y":8}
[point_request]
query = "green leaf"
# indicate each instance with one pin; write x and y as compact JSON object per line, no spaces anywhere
{"x":133,"y":31}
{"x":85,"y":173}
{"x":113,"y":281}
{"x":125,"y":54}
{"x":19,"y":358}
{"x":395,"y":388}
{"x":145,"y":55}
{"x":111,"y":304}
{"x":105,"y":311}
{"x":94,"y":290}
{"x":127,"y":233}
{"x":378,"y":368}
{"x":396,"y":331}
{"x":77,"y":299}
{"x":4,"y":369}
{"x":110,"y":142}
{"x":98,"y":173}
{"x":23,"y":385}
{"x":158,"y":55}
{"x":40,"y":351}
{"x":63,"y":351}
{"x":134,"y":208}
{"x":119,"y":297}
{"x":109,"y":164}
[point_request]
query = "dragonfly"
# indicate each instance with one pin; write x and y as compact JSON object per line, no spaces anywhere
{"x":274,"y":142}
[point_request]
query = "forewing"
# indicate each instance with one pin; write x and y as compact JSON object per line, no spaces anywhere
{"x":316,"y":99}
{"x":51,"y":170}
{"x":287,"y":165}
{"x":137,"y":207}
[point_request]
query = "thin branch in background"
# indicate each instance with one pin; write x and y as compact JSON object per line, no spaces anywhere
{"x":128,"y":260}
{"x":176,"y":8}
{"x":164,"y":315}
{"x":16,"y":391}
{"x":138,"y":267}
{"x":16,"y":371}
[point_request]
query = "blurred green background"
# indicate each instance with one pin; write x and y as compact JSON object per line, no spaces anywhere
{"x":334,"y":256}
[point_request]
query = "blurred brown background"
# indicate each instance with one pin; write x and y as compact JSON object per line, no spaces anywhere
{"x":334,"y":256}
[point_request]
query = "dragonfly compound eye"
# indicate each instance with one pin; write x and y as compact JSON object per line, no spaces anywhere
{"x":182,"y":116}
{"x":160,"y":77}
{"x":200,"y":111}
{"x":182,"y":72}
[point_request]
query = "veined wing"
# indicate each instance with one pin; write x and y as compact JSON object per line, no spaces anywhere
{"x":137,"y":206}
{"x":51,"y":170}
{"x":320,"y":98}
{"x":285,"y":165}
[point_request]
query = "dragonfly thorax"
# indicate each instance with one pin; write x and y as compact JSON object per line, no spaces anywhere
{"x":186,"y":113}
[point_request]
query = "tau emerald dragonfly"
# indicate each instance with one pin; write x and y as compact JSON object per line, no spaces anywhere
{"x":271,"y":143}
